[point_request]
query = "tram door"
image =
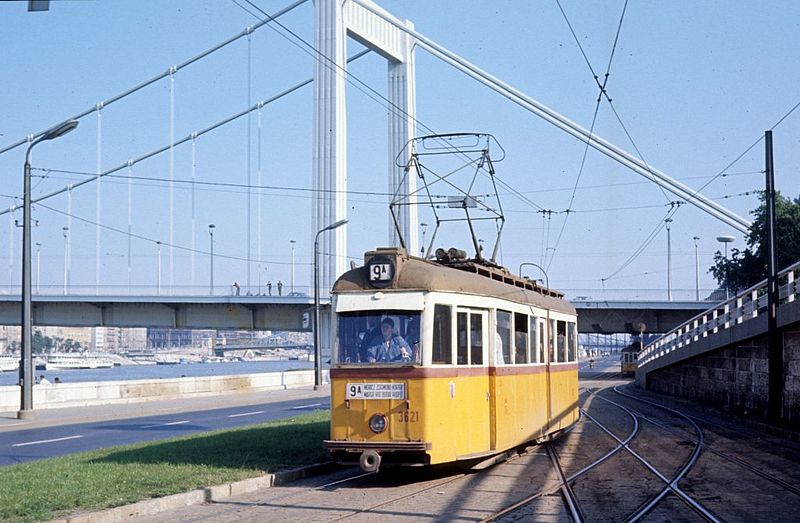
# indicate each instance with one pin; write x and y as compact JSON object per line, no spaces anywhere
{"x":472,"y":351}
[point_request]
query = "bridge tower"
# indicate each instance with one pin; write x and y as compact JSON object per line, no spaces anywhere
{"x":335,"y":21}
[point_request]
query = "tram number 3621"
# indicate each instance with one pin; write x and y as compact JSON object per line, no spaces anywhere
{"x":408,"y":416}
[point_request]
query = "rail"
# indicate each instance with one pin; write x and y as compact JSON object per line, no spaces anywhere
{"x":743,"y":307}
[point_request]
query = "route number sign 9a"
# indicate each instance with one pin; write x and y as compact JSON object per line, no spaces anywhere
{"x":381,"y":272}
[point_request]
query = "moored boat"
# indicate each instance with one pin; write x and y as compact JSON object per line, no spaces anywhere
{"x":84,"y":360}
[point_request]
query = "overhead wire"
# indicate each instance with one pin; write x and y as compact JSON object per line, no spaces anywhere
{"x":603,"y":92}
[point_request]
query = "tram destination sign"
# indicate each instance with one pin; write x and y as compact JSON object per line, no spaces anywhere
{"x":376,"y":391}
{"x":381,"y":271}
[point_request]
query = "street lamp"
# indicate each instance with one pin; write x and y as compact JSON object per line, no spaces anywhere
{"x":317,"y":343}
{"x":424,"y":227}
{"x":668,"y":221}
{"x":546,"y":279}
{"x":292,"y":242}
{"x":38,"y":266}
{"x":211,"y":228}
{"x":158,"y":268}
{"x":65,"y":232}
{"x":696,"y":270}
{"x":26,"y":365}
{"x":725,"y":240}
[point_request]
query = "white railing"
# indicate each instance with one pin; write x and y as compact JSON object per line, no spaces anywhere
{"x":743,"y":307}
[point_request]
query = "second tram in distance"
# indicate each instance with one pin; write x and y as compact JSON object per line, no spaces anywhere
{"x":446,"y":361}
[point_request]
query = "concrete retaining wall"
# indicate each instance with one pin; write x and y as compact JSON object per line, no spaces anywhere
{"x":736,"y":376}
{"x":106,"y":392}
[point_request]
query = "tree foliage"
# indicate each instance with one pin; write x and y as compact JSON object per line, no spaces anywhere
{"x":745,"y":268}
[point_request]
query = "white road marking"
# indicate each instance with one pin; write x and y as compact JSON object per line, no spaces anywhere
{"x":166,"y":424}
{"x":246,"y":414}
{"x":45,"y":441}
{"x":304,"y":406}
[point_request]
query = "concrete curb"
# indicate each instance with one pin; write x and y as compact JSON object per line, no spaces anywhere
{"x":211,"y":494}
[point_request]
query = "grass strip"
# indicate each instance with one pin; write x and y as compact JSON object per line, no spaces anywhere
{"x":95,"y":480}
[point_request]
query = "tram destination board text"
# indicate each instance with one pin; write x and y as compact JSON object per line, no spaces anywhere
{"x":376,"y":391}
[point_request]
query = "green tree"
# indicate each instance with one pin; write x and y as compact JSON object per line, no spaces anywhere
{"x":747,"y":267}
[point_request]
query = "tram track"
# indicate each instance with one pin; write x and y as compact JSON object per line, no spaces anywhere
{"x":564,"y":482}
{"x":711,"y":448}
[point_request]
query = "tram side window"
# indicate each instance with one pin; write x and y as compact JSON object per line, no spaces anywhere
{"x":462,"y":341}
{"x":561,"y":340}
{"x":442,"y":335}
{"x":502,"y":341}
{"x":476,"y":334}
{"x":572,"y":342}
{"x":534,"y":341}
{"x":551,"y":341}
{"x":520,"y":338}
{"x":542,"y":330}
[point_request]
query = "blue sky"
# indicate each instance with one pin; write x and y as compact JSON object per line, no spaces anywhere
{"x":695,"y":84}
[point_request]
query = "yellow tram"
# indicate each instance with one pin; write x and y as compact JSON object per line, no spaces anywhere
{"x":629,"y":358}
{"x":446,"y":360}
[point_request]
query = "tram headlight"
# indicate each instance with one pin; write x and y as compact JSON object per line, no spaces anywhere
{"x":377,"y":423}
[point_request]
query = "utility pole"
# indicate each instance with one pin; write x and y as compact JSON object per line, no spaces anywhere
{"x":774,"y":339}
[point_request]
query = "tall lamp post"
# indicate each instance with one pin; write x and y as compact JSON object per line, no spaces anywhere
{"x":26,"y":365}
{"x":725,"y":240}
{"x":424,"y":227}
{"x":668,"y":221}
{"x":211,"y":228}
{"x":317,"y":342}
{"x":65,"y":232}
{"x":546,"y":279}
{"x":38,"y":267}
{"x":158,"y":269}
{"x":292,"y":242}
{"x":696,"y":270}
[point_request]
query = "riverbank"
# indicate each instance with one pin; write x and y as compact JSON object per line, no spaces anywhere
{"x":84,"y":394}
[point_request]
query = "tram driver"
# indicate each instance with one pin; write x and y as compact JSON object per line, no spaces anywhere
{"x":390,"y":347}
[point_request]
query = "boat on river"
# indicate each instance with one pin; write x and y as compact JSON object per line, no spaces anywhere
{"x":8,"y":363}
{"x":84,"y":360}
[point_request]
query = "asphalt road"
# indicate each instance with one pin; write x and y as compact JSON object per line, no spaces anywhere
{"x":19,"y":446}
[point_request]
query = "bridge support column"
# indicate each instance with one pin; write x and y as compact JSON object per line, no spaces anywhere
{"x":335,"y":21}
{"x":329,"y":158}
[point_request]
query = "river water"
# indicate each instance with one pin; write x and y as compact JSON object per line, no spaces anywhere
{"x":154,"y":372}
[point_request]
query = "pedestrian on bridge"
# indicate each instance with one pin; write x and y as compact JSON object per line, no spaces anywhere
{"x":269,"y":288}
{"x":280,"y":288}
{"x":236,"y":287}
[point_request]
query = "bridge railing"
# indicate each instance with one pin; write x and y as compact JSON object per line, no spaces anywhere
{"x":745,"y":306}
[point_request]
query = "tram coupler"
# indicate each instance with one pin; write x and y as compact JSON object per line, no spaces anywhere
{"x":370,"y":461}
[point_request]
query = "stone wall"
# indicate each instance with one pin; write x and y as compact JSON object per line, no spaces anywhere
{"x":105,"y":392}
{"x":735,"y":377}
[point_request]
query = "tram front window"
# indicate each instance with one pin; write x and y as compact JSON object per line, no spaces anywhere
{"x":378,"y":337}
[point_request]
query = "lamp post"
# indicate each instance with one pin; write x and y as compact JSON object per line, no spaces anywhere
{"x":38,"y":266}
{"x":26,"y":365}
{"x":65,"y":231}
{"x":158,"y":269}
{"x":211,"y":228}
{"x":317,"y":343}
{"x":725,"y":240}
{"x":424,"y":227}
{"x":696,"y":270}
{"x":668,"y":221}
{"x":546,"y":279}
{"x":292,"y":242}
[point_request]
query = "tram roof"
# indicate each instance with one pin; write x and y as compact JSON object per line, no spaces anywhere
{"x":465,"y":276}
